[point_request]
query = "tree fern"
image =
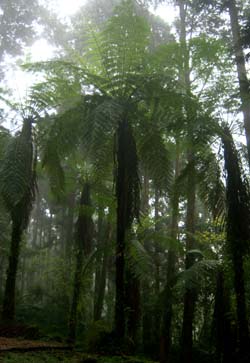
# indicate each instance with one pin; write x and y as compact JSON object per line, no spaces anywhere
{"x":211,"y":187}
{"x":16,"y":174}
{"x":18,"y":182}
{"x":196,"y":275}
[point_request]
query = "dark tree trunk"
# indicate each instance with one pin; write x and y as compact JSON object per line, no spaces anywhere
{"x":133,"y":309}
{"x":190,"y":294}
{"x":101,"y":284}
{"x":156,"y":246}
{"x":189,"y":297}
{"x":20,"y":213}
{"x":241,"y":303}
{"x":76,"y":296}
{"x":167,"y":316}
{"x":157,"y":250}
{"x":8,"y":313}
{"x":68,"y":243}
{"x":238,"y":231}
{"x":241,"y":70}
{"x":222,"y":331}
{"x":120,"y":258}
{"x":98,"y":262}
{"x":127,"y":193}
{"x":83,"y":239}
{"x":147,"y":313}
{"x":36,"y":221}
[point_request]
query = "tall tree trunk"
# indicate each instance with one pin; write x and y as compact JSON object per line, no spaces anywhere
{"x":98,"y":262}
{"x":69,"y":228}
{"x":133,"y":307}
{"x":156,"y":245}
{"x":36,"y":221}
{"x":101,"y":284}
{"x":189,"y":297}
{"x":83,"y":240}
{"x":165,"y":341}
{"x":127,"y":194}
{"x":8,"y":313}
{"x":241,"y":70}
{"x":157,"y":307}
{"x":238,"y":231}
{"x":241,"y":302}
{"x":20,"y":213}
{"x":147,"y":313}
{"x":222,"y":330}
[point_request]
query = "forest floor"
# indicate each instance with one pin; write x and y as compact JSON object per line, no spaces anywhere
{"x":64,"y":357}
{"x":11,"y":344}
{"x":14,"y":350}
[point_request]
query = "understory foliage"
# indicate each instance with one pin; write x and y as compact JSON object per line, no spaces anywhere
{"x":124,"y":197}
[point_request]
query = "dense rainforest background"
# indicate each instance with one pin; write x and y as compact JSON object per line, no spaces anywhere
{"x":124,"y":181}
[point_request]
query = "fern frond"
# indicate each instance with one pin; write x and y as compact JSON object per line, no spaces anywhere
{"x":139,"y":261}
{"x":196,"y":275}
{"x":16,"y":169}
{"x":52,"y":165}
{"x":18,"y":175}
{"x":211,"y":187}
{"x":118,"y":51}
{"x":100,"y":126}
{"x":60,"y":136}
{"x":154,"y":155}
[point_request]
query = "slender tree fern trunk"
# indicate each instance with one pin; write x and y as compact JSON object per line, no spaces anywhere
{"x":69,"y":229}
{"x":8,"y":313}
{"x":98,"y":308}
{"x":83,"y":241}
{"x":120,"y":258}
{"x":157,"y":308}
{"x":36,"y":221}
{"x":122,"y":224}
{"x":101,"y":284}
{"x":241,"y":70}
{"x":133,"y":307}
{"x":222,"y":331}
{"x":190,"y":295}
{"x":167,"y":316}
{"x":76,"y":296}
{"x":241,"y":303}
{"x":127,"y":194}
{"x":147,"y":318}
{"x":156,"y":246}
{"x":98,"y":262}
{"x":20,"y":168}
